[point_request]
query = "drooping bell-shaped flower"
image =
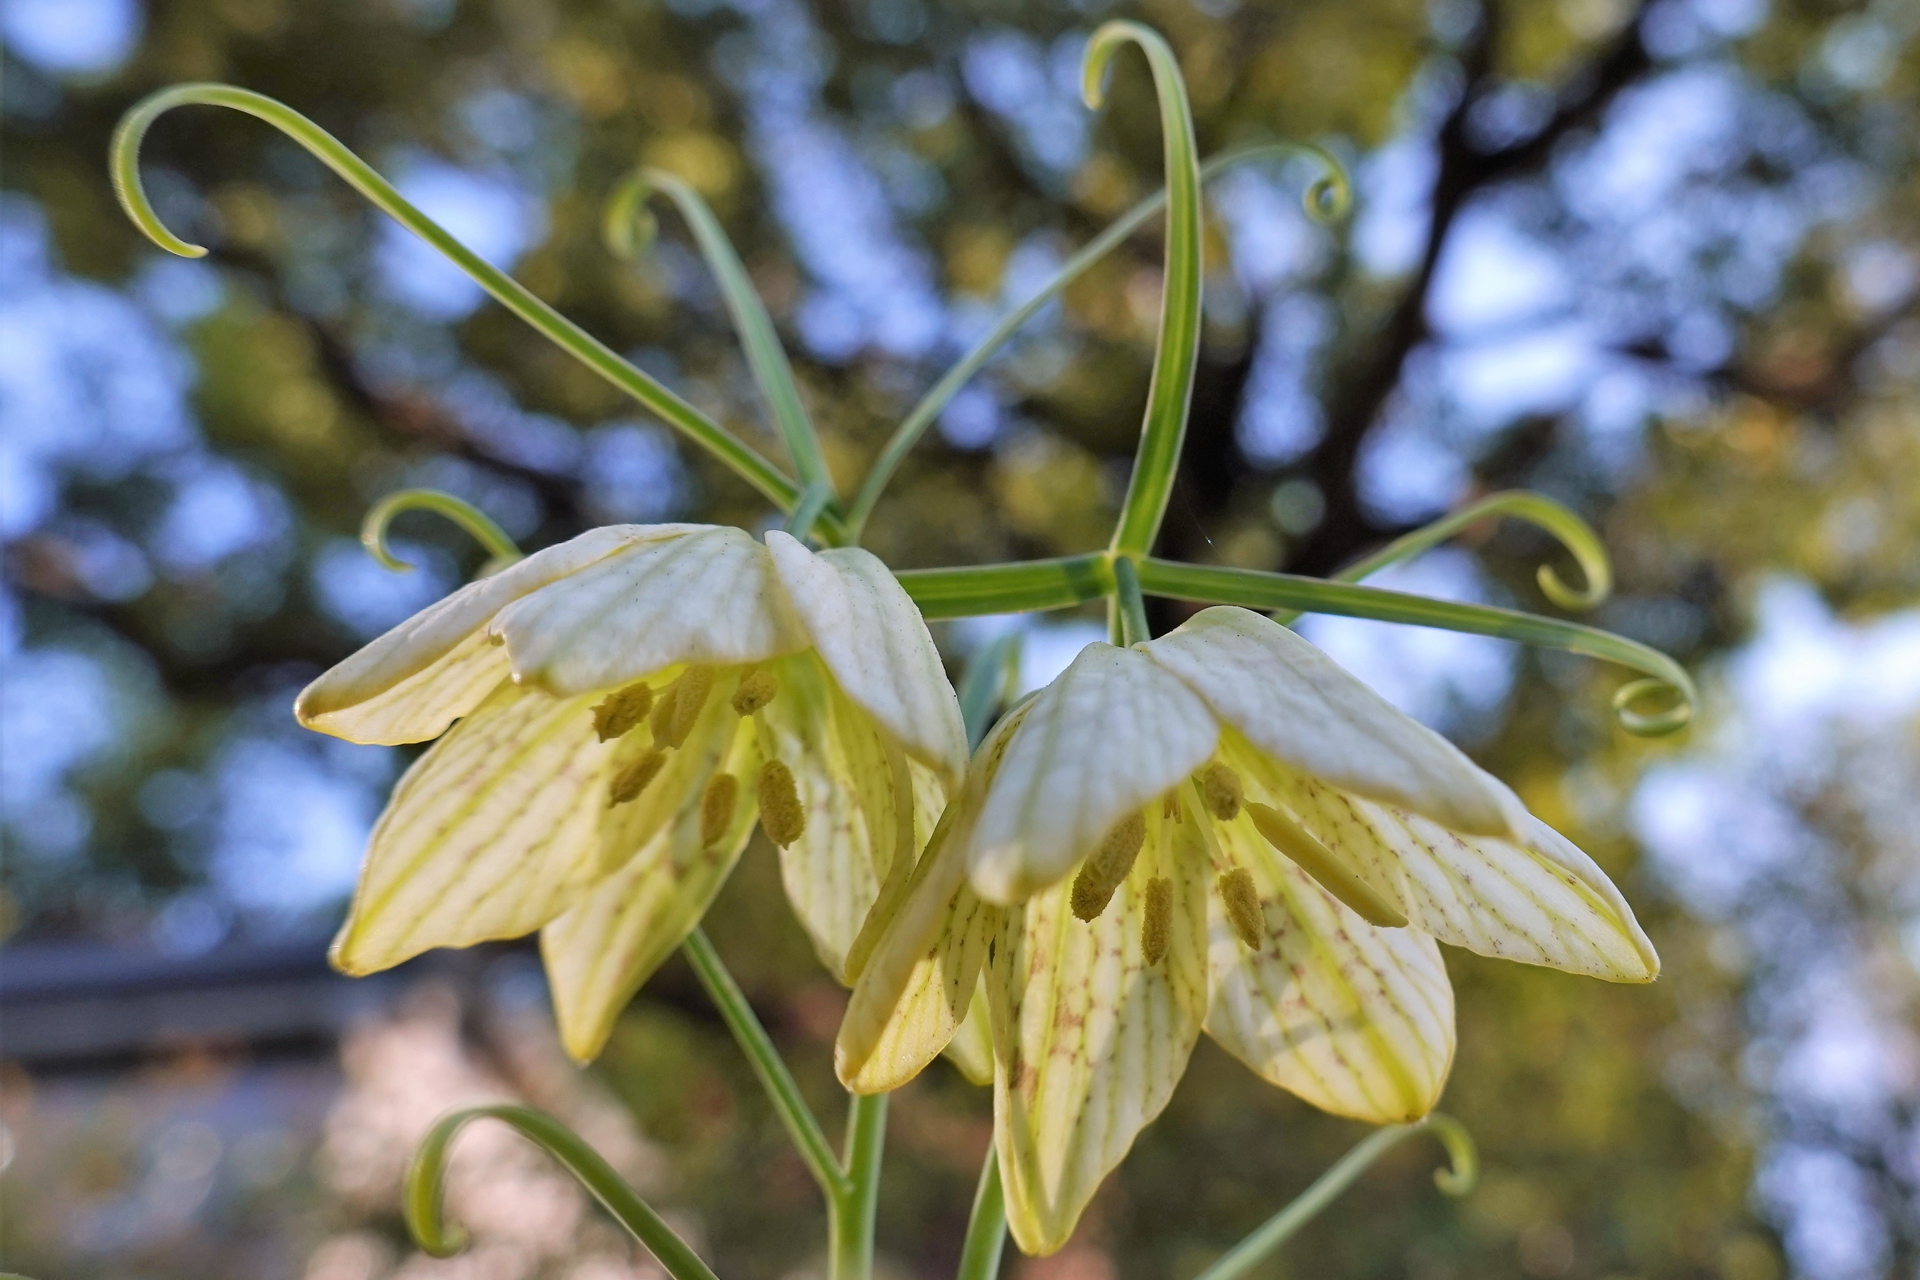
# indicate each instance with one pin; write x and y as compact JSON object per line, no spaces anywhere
{"x":1223,"y":830}
{"x":627,"y":704}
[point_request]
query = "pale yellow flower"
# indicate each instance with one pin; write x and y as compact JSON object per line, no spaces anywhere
{"x":628,"y":703}
{"x":1220,"y":830}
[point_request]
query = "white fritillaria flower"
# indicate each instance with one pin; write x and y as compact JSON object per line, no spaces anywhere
{"x":1218,"y":829}
{"x":628,"y":703}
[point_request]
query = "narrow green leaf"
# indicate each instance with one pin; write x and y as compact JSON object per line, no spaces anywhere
{"x":987,"y":682}
{"x":1253,"y":589}
{"x":986,"y":1236}
{"x":427,"y":1179}
{"x":124,"y":156}
{"x":1130,"y":609}
{"x":1170,"y":393}
{"x":501,"y":549}
{"x":1022,"y":587}
{"x":628,"y":228}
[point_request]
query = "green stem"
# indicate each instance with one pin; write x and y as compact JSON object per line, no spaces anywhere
{"x":986,"y":1225}
{"x":1022,"y":587}
{"x":627,"y":217}
{"x":1128,"y":604}
{"x":1575,"y":534}
{"x":500,"y":548}
{"x":425,"y":1192}
{"x":806,"y":513}
{"x":780,"y":1086}
{"x":564,"y":333}
{"x":1253,"y":589}
{"x":1280,"y":1228}
{"x":986,"y":683}
{"x":916,"y":423}
{"x":1170,"y":392}
{"x":851,"y":1214}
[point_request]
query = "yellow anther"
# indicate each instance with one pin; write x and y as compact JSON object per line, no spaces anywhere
{"x":1107,"y":866}
{"x":661,"y":721}
{"x":716,"y":806}
{"x":1243,"y":907}
{"x":1221,"y":786}
{"x":757,"y":689}
{"x":622,"y":711}
{"x":1156,"y":923}
{"x":1170,"y":806}
{"x":782,"y":816}
{"x":633,"y":779}
{"x":674,"y":715}
{"x":1328,"y":871}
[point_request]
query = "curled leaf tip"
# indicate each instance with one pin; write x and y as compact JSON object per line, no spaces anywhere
{"x":1463,"y":1157}
{"x":1676,"y":715}
{"x":1329,"y":197}
{"x":501,"y":550}
{"x":123,"y":161}
{"x":1101,"y":47}
{"x":627,"y":226}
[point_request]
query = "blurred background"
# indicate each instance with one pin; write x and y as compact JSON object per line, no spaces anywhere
{"x":1657,"y":260}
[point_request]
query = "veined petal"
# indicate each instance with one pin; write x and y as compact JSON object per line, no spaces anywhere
{"x":1355,"y":1019}
{"x":1540,"y":901}
{"x":1088,"y":1038}
{"x":1305,"y":710}
{"x":414,"y":681}
{"x":599,"y":952}
{"x":488,"y":835}
{"x":857,"y":793}
{"x":708,"y":597}
{"x":1111,"y":733}
{"x":626,"y":829}
{"x":916,"y":988}
{"x":971,"y":1049}
{"x":871,"y":637}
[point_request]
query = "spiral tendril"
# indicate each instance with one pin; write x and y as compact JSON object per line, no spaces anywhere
{"x":501,"y":549}
{"x":425,"y":1191}
{"x":1462,"y":1173}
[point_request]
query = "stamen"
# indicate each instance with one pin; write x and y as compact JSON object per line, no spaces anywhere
{"x":1107,"y":866}
{"x":757,"y":689}
{"x":782,"y":816}
{"x":674,"y":716}
{"x":1243,"y":907}
{"x":623,"y":711}
{"x":1156,"y":924}
{"x":716,"y":807}
{"x":1327,"y":871}
{"x":1170,"y":806}
{"x":1223,"y":791}
{"x":661,"y":723}
{"x":632,"y":780}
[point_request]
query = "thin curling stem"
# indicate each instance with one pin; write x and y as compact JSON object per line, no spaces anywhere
{"x":1327,"y":198}
{"x":1573,"y":533}
{"x":781,"y":1088}
{"x":1325,"y":1189}
{"x":124,"y":157}
{"x":1170,"y":393}
{"x":1253,"y":589}
{"x":501,"y":550}
{"x":427,"y":1177}
{"x":629,"y":226}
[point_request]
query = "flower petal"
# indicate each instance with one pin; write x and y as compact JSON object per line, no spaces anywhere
{"x":488,"y":835}
{"x":971,"y":1049}
{"x":858,"y":796}
{"x":871,"y":636}
{"x":1355,"y":1019}
{"x":1089,"y":1039}
{"x":1111,"y":733}
{"x":708,"y":597}
{"x":415,"y":680}
{"x":913,"y":994}
{"x":1304,"y":709}
{"x":599,"y":952}
{"x":1538,"y":900}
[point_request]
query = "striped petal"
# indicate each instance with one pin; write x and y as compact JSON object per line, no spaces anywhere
{"x":415,"y":680}
{"x":488,"y":835}
{"x":1355,"y":1019}
{"x":971,"y":1049}
{"x":1304,"y":709}
{"x":1111,"y":733}
{"x":1089,"y":1039}
{"x":915,"y":990}
{"x":1537,"y":899}
{"x":857,"y":791}
{"x":599,"y":952}
{"x":872,"y":638}
{"x":707,"y":597}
